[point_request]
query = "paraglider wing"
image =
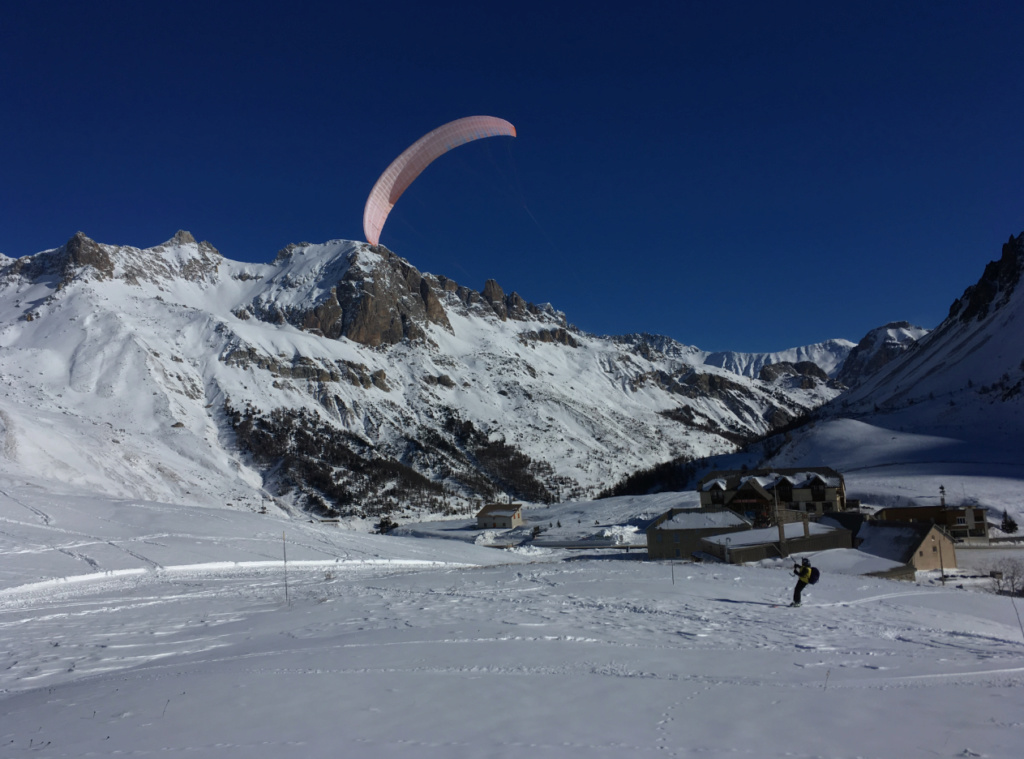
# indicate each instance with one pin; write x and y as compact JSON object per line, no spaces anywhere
{"x":404,"y":169}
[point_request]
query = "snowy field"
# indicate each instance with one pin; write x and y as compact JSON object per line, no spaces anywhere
{"x":145,"y":629}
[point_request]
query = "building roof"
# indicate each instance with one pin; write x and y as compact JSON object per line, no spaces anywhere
{"x":849,"y":520}
{"x":700,"y":519}
{"x":896,"y":541}
{"x":793,"y":530}
{"x":499,"y":509}
{"x":768,"y":478}
{"x":895,"y":513}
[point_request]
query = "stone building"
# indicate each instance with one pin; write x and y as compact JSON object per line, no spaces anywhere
{"x":677,"y":533}
{"x":500,"y":515}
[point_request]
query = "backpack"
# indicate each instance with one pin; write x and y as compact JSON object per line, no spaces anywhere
{"x":815,"y":574}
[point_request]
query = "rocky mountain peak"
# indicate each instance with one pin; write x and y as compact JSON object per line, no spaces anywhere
{"x":876,"y":349}
{"x":79,"y":256}
{"x":82,"y":258}
{"x":81,"y":252}
{"x":374,"y":297}
{"x":997,"y":283}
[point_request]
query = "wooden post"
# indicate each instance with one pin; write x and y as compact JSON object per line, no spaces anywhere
{"x":778,"y":522}
{"x":284,"y":546}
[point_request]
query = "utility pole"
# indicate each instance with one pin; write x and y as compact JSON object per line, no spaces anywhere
{"x":778,"y":522}
{"x":942,"y":503}
{"x":942,"y":567}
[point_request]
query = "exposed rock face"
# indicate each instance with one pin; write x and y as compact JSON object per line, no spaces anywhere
{"x":390,"y":306}
{"x":83,"y":257}
{"x":806,"y":369}
{"x":495,"y":296}
{"x":556,"y":335}
{"x":370,"y":295}
{"x":304,"y":368}
{"x":200,"y":265}
{"x":76,"y":257}
{"x":876,"y":349}
{"x":995,"y":286}
{"x":80,"y":252}
{"x":325,"y":317}
{"x":384,"y":302}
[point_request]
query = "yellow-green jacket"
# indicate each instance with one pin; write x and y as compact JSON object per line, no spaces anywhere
{"x":804,"y":573}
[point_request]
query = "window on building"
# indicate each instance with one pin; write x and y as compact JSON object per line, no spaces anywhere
{"x":717,"y":495}
{"x":961,"y":520}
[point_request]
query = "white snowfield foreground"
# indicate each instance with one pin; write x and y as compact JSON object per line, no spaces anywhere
{"x":392,"y":647}
{"x":226,"y":567}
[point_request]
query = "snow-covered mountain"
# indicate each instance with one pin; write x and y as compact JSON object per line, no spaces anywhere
{"x":829,"y":356}
{"x":965,"y":377}
{"x":927,"y":410}
{"x":877,"y":348}
{"x":340,"y":378}
{"x":947,"y":411}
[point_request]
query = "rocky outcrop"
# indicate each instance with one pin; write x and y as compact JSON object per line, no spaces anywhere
{"x":198,"y":262}
{"x":995,"y":286}
{"x":81,"y":252}
{"x":806,"y":369}
{"x":382,"y":300}
{"x":372,"y":297}
{"x":495,"y":297}
{"x":78,"y":256}
{"x":83,"y":258}
{"x":388,"y":303}
{"x":559,"y":335}
{"x":302,"y":368}
{"x":325,"y":318}
{"x":876,"y":349}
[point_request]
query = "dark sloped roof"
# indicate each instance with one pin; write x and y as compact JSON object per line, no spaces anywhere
{"x":896,"y":541}
{"x":503,"y":509}
{"x":850,"y":520}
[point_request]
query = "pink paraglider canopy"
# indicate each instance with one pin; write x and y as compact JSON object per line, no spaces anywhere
{"x":401,"y":173}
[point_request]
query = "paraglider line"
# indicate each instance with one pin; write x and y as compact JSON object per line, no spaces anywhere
{"x":522,"y":199}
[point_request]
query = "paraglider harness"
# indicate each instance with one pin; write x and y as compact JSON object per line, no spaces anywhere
{"x":812,"y":577}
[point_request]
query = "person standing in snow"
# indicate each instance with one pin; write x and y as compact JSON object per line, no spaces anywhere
{"x":803,"y":574}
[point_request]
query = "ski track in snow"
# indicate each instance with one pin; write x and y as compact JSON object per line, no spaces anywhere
{"x":583,"y":626}
{"x":184,"y":633}
{"x":833,"y":635}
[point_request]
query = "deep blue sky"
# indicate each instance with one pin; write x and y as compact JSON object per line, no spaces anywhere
{"x":737,"y":175}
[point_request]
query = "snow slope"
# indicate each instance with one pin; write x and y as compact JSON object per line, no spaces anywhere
{"x":949,"y":411}
{"x":829,"y":355}
{"x":141,"y":628}
{"x":877,"y":348}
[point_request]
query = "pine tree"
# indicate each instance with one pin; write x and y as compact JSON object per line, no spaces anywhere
{"x":1008,"y":526}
